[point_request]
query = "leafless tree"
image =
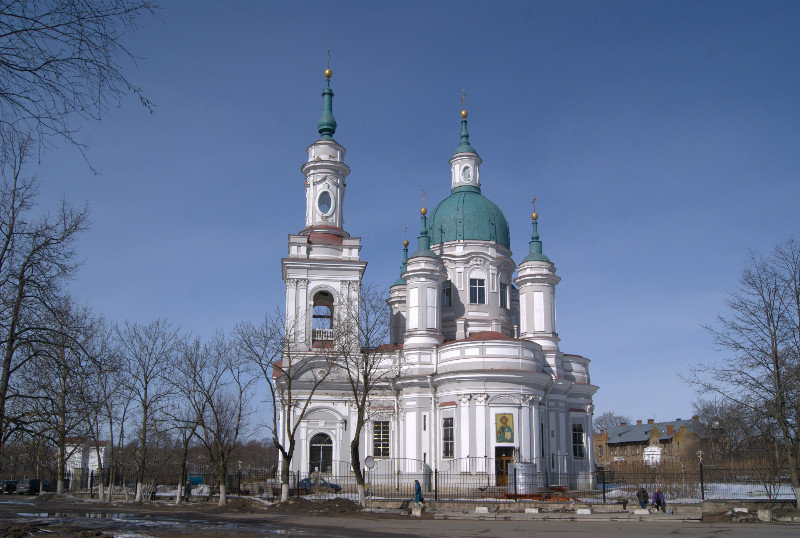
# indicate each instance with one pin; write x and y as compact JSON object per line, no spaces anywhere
{"x":292,"y":373}
{"x":609,"y":419}
{"x":188,"y":407}
{"x":62,"y":60}
{"x":36,"y":259}
{"x":760,"y":332}
{"x":58,"y":382}
{"x":366,"y":366}
{"x":222,"y":403}
{"x":148,"y":351}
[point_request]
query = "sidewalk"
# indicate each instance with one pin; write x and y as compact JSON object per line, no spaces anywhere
{"x":599,"y":516}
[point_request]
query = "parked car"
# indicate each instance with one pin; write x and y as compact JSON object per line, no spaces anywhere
{"x":9,"y":486}
{"x":318,"y":484}
{"x":31,"y":486}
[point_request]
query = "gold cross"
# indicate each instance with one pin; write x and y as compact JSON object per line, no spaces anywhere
{"x":534,"y":202}
{"x":463,"y":96}
{"x":423,"y":197}
{"x":405,"y":233}
{"x":329,"y":58}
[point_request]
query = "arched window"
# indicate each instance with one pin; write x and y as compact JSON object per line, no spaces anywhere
{"x":322,"y":317}
{"x":320,"y":454}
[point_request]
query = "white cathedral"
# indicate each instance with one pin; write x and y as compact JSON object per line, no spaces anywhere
{"x":479,"y":382}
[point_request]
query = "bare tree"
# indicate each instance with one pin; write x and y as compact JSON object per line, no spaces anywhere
{"x":188,"y":405}
{"x":36,"y":259}
{"x":62,"y":60}
{"x":223,"y":390}
{"x":148,"y":351}
{"x":366,"y":367}
{"x":58,"y":382}
{"x":609,"y":419}
{"x":292,"y":372}
{"x":760,"y":332}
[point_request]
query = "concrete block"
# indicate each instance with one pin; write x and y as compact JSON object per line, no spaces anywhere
{"x":416,"y":510}
{"x":481,"y":509}
{"x":583,"y":511}
{"x":764,"y":514}
{"x":641,"y":511}
{"x":741,"y":509}
{"x":531,"y":510}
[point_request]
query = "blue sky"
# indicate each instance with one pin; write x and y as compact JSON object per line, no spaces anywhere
{"x":660,"y":138}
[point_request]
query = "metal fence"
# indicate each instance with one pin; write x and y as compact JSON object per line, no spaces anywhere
{"x":516,"y":483}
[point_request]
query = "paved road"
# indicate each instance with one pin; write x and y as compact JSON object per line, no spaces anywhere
{"x":70,"y":521}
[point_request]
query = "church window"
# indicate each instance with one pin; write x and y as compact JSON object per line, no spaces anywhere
{"x":477,"y":291}
{"x":503,"y":295}
{"x":448,"y":442}
{"x":577,"y":441}
{"x":447,"y":294}
{"x":380,"y":439}
{"x":324,"y":202}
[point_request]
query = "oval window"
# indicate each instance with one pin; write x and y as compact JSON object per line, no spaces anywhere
{"x":324,"y":202}
{"x":466,"y":174}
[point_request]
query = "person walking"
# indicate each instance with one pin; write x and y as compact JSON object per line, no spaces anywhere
{"x":642,"y":496}
{"x":417,"y":492}
{"x":659,"y":502}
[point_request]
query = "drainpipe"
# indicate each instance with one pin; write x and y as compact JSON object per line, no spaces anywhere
{"x":434,"y":425}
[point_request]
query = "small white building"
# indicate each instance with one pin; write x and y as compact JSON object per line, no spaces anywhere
{"x":480,"y":380}
{"x":82,"y":461}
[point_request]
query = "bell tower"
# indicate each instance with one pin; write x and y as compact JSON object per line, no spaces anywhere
{"x":325,"y":170}
{"x":323,"y":269}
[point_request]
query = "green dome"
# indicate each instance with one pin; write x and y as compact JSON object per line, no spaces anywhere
{"x":467,"y":214}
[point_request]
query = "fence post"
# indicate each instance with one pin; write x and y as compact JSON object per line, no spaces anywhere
{"x":436,"y":485}
{"x":516,"y":491}
{"x":91,"y":484}
{"x":702,"y":484}
{"x":603,"y":474}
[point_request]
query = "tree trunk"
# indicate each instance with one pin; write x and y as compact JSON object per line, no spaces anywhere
{"x":60,"y":479}
{"x":355,"y":462}
{"x":182,"y":477}
{"x":355,"y":457}
{"x":285,"y":479}
{"x":223,"y":490}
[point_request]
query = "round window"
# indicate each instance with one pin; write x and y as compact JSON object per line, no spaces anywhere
{"x":324,"y":202}
{"x":466,"y":174}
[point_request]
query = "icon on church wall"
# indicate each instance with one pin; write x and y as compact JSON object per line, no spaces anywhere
{"x":504,"y":426}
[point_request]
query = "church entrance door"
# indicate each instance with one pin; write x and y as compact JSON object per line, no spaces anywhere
{"x":503,"y":455}
{"x":320,"y":454}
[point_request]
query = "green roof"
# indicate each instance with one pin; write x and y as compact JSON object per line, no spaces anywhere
{"x":467,"y":214}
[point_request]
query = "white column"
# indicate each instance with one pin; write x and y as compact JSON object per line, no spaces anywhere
{"x":464,"y":429}
{"x":526,"y":435}
{"x":302,"y":307}
{"x":537,"y":434}
{"x":480,"y":431}
{"x":411,"y":434}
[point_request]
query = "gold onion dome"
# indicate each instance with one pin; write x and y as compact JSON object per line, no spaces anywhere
{"x":464,"y":114}
{"x":328,"y":73}
{"x":405,"y":242}
{"x":423,"y":211}
{"x":535,"y":215}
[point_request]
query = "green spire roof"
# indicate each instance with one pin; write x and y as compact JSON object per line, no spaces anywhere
{"x":327,"y":124}
{"x":536,"y":247}
{"x":400,"y":281}
{"x":424,"y":241}
{"x":465,"y":146}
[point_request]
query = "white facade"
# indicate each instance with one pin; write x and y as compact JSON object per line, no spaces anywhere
{"x":478,"y":378}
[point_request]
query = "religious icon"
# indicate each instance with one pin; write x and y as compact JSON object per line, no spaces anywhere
{"x":504,"y":424}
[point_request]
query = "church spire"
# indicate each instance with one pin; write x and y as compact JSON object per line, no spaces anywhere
{"x":327,"y":124}
{"x":465,"y":146}
{"x":535,"y":244}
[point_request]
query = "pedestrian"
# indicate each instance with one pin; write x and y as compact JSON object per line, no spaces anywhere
{"x":659,"y":503}
{"x":417,"y":492}
{"x":642,"y":496}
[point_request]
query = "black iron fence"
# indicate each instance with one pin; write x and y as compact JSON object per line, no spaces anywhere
{"x":602,"y":486}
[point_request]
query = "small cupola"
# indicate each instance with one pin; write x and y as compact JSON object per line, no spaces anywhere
{"x":465,"y":163}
